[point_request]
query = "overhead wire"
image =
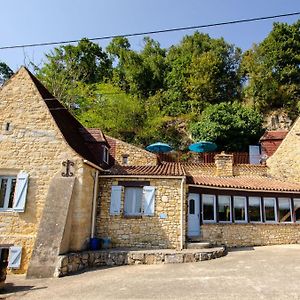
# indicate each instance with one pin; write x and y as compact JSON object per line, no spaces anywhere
{"x":154,"y":31}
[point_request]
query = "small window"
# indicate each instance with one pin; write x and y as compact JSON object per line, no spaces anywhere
{"x":285,"y":210}
{"x":7,"y":191}
{"x":224,"y":208}
{"x":209,"y":208}
{"x":270,"y":209}
{"x":240,"y":209}
{"x":192,"y":207}
{"x":125,"y":160}
{"x":297,"y":209}
{"x":133,"y":201}
{"x":105,"y":154}
{"x":254,"y":213}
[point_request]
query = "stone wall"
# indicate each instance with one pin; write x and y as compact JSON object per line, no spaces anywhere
{"x":284,"y":163}
{"x":159,"y":231}
{"x":224,"y":164}
{"x":237,"y":235}
{"x":34,"y":144}
{"x":135,"y":156}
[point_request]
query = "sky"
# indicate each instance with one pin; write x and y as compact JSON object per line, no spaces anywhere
{"x":35,"y":21}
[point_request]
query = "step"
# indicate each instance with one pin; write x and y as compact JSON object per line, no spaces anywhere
{"x":197,"y":245}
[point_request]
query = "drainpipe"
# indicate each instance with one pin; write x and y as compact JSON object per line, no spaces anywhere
{"x":94,"y":207}
{"x":182,"y":220}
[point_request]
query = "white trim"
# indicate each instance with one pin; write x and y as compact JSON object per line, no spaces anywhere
{"x":260,"y":209}
{"x":230,"y":206}
{"x":245,"y":207}
{"x":291,"y":211}
{"x":214,"y":206}
{"x":92,"y":165}
{"x":275,"y":211}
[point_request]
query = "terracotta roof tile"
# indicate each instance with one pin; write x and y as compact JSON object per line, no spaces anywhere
{"x":164,"y":169}
{"x":245,"y":182}
{"x":274,"y":135}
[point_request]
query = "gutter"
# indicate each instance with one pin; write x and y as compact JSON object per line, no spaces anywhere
{"x":94,"y":206}
{"x":92,"y":165}
{"x":142,"y":176}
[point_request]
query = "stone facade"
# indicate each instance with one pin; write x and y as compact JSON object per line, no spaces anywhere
{"x":239,"y":235}
{"x":163,"y":230}
{"x":284,"y":163}
{"x":135,"y":156}
{"x":32,"y":142}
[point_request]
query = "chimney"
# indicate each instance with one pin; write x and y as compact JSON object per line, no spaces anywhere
{"x":224,"y":164}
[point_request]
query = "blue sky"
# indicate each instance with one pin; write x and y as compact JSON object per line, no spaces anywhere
{"x":34,"y":21}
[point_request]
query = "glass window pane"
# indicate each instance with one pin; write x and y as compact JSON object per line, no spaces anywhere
{"x":285,"y":211}
{"x":128,"y":207}
{"x":254,"y":213}
{"x":208,"y":204}
{"x":138,"y":200}
{"x":3,"y":182}
{"x":133,"y":201}
{"x":224,"y":208}
{"x":297,"y":209}
{"x":270,"y":213}
{"x":12,"y":192}
{"x":239,"y":204}
{"x":192,"y":207}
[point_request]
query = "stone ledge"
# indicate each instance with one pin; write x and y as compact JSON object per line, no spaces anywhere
{"x":74,"y":262}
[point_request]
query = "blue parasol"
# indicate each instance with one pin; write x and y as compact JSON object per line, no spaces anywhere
{"x":159,"y":147}
{"x":203,"y":146}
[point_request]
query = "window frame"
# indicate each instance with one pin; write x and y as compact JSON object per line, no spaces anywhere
{"x":230,"y":207}
{"x":7,"y":194}
{"x":260,"y":208}
{"x":245,"y":207}
{"x":291,"y":210}
{"x":126,"y":214}
{"x":214,"y":207}
{"x":105,"y":155}
{"x":275,"y":210}
{"x":294,"y":211}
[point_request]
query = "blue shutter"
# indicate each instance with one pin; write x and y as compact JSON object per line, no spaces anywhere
{"x":21,"y":192}
{"x":149,"y":200}
{"x":115,"y":200}
{"x":14,"y":257}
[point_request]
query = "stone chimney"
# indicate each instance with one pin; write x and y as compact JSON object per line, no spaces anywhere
{"x":224,"y":164}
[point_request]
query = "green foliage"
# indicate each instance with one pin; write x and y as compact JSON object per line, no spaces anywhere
{"x":232,"y":126}
{"x":272,"y":69}
{"x":5,"y":72}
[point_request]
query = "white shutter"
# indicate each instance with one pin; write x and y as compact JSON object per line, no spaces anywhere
{"x":14,"y":257}
{"x":149,"y":200}
{"x":115,"y":200}
{"x":21,"y":192}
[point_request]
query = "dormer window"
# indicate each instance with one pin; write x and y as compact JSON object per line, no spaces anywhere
{"x":125,"y":159}
{"x":105,"y":154}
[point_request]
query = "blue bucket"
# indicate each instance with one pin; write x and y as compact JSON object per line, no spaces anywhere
{"x":95,"y":243}
{"x":105,"y":243}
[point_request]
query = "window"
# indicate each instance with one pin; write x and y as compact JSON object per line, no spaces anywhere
{"x":239,"y":209}
{"x":270,"y":209}
{"x":297,"y":210}
{"x":254,"y":213}
{"x":125,"y":159}
{"x":105,"y":154}
{"x":224,"y":208}
{"x":209,"y":208}
{"x":139,"y":201}
{"x":7,"y":191}
{"x":285,"y":210}
{"x":192,"y":207}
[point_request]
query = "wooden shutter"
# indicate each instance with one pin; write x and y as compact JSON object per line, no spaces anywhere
{"x":149,"y":200}
{"x":21,"y":192}
{"x":115,"y":200}
{"x":14,"y":257}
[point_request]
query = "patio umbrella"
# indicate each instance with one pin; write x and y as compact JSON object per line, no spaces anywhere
{"x":159,"y":147}
{"x":203,"y":146}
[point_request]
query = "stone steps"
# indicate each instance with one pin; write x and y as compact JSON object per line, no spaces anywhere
{"x":198,"y":245}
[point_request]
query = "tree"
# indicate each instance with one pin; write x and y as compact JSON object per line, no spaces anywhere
{"x":5,"y":72}
{"x":232,"y":126}
{"x":272,"y":69}
{"x":68,"y":65}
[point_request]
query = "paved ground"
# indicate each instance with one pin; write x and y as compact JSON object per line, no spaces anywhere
{"x":254,"y":273}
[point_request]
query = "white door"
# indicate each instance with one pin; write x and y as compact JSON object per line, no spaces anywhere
{"x":193,"y":215}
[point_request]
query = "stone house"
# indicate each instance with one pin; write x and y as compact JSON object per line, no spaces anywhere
{"x":61,"y":184}
{"x":49,"y":166}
